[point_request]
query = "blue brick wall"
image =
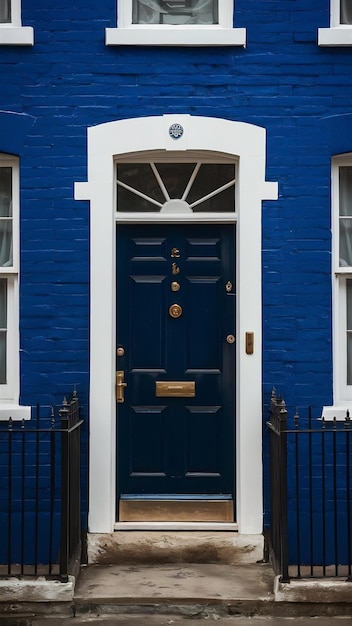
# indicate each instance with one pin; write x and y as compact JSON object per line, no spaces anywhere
{"x":282,"y":81}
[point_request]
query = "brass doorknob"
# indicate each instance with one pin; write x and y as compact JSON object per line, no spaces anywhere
{"x":175,"y":310}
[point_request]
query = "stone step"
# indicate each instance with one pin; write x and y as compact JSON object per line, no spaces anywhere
{"x":204,"y":591}
{"x":192,"y":590}
{"x":161,"y":547}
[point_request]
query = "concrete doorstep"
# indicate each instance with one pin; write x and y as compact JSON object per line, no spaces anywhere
{"x":214,"y":575}
{"x":189,"y":588}
{"x":206,"y":590}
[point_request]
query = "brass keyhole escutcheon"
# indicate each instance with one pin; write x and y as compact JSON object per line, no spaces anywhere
{"x":230,"y":338}
{"x":228,"y":286}
{"x":175,"y":286}
{"x":175,"y":310}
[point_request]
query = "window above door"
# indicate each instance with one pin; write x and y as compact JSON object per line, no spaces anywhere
{"x":178,"y":188}
{"x":176,"y":23}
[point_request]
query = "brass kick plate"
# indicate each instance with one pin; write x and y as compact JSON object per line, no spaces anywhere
{"x":175,"y":389}
{"x":176,"y":511}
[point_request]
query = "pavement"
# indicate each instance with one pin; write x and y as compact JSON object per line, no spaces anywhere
{"x":162,"y":620}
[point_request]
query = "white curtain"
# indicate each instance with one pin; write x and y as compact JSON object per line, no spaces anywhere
{"x":345,"y":212}
{"x":5,"y":11}
{"x":6,"y":243}
{"x":346,"y":11}
{"x":150,"y":12}
{"x":5,"y":216}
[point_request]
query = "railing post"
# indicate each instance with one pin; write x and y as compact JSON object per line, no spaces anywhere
{"x":65,"y":493}
{"x":283,"y":494}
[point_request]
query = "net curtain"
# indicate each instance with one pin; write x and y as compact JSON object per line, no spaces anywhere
{"x":346,"y":11}
{"x":150,"y":11}
{"x":345,"y":216}
{"x":5,"y":11}
{"x":5,"y":216}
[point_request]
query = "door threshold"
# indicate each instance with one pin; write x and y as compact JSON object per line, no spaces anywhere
{"x":174,"y":526}
{"x":193,"y":508}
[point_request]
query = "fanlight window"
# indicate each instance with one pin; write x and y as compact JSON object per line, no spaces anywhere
{"x":176,"y":187}
{"x":345,"y":11}
{"x":175,"y":12}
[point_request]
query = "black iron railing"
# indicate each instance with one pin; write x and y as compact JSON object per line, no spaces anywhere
{"x":310,"y":494}
{"x":40,"y":521}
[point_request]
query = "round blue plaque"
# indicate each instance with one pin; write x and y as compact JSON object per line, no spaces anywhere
{"x":176,"y":131}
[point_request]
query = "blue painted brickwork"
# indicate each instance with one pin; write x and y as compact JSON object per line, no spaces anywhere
{"x":282,"y":81}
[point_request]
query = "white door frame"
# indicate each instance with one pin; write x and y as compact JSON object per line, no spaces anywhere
{"x":246,"y":144}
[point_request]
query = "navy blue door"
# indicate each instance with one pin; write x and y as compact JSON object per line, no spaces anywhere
{"x":175,"y":325}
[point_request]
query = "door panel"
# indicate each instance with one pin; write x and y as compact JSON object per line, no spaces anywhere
{"x":176,"y":445}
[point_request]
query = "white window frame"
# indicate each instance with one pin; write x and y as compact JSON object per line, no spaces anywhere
{"x":341,"y":391}
{"x":338,"y":34}
{"x":9,"y":392}
{"x":14,"y":33}
{"x":128,"y":34}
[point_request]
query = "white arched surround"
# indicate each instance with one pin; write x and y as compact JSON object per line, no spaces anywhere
{"x":246,"y":144}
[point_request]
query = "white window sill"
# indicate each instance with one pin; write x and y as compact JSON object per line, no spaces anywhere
{"x":175,"y":36}
{"x":14,"y":411}
{"x":16,"y":36}
{"x":337,"y":36}
{"x":338,"y":411}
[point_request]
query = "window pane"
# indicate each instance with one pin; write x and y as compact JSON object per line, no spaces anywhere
{"x":346,"y":11}
{"x":349,"y":330}
{"x":139,"y":184}
{"x":223,"y":201}
{"x":175,"y":12}
{"x":6,"y":243}
{"x":345,"y":211}
{"x":5,"y":191}
{"x":175,"y":177}
{"x":3,"y":329}
{"x":138,"y":176}
{"x":5,"y":11}
{"x":345,"y":258}
{"x":128,"y":201}
{"x":210,"y":177}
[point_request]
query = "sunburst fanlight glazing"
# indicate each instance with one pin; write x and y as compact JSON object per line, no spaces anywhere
{"x":202,"y":187}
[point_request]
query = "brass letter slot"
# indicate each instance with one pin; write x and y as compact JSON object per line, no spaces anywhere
{"x":175,"y":389}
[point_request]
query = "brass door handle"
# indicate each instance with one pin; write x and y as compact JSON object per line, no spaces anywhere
{"x":120,"y":386}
